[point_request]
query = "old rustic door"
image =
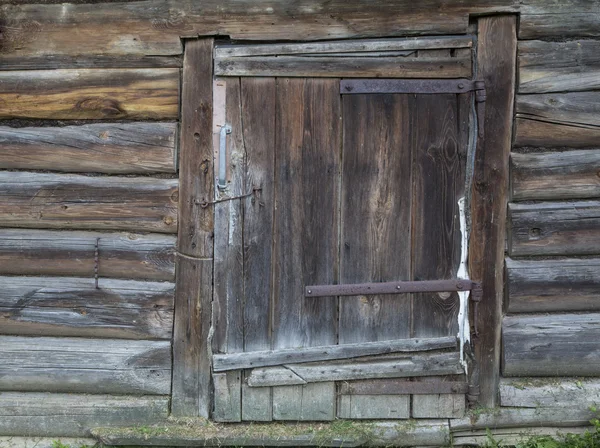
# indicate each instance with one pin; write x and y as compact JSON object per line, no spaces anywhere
{"x":324,"y":184}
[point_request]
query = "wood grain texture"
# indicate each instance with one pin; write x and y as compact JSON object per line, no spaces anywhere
{"x":77,"y":365}
{"x":69,"y":306}
{"x":62,"y":201}
{"x":546,"y":134}
{"x":228,"y":396}
{"x":374,"y":406}
{"x":551,"y":345}
{"x":537,"y":286}
{"x":514,"y":436}
{"x":569,"y":394}
{"x":567,"y":18}
{"x":399,"y":387}
{"x":438,"y":406}
{"x":99,"y":147}
{"x":74,"y":415}
{"x":496,"y":51}
{"x":148,"y":256}
{"x":572,"y":108}
{"x":554,"y":228}
{"x":559,"y":66}
{"x":83,"y":94}
{"x":192,"y":389}
{"x":555,"y":175}
{"x":310,"y":402}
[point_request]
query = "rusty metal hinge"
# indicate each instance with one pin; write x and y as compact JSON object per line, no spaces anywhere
{"x":204,"y":203}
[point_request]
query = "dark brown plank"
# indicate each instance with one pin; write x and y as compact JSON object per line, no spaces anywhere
{"x":567,"y":18}
{"x":555,"y":175}
{"x":554,"y":228}
{"x":191,"y":366}
{"x":552,"y":285}
{"x":573,"y":108}
{"x":541,"y":133}
{"x":68,"y":306}
{"x":376,"y":214}
{"x":99,"y":147}
{"x":90,"y":94}
{"x":551,"y":345}
{"x":68,"y":201}
{"x":496,"y":55}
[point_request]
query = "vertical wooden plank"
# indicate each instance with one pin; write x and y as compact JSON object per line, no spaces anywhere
{"x":376,"y":207}
{"x":312,"y":402}
{"x":306,"y":214}
{"x":227,"y":396}
{"x":258,"y":118}
{"x":496,"y":58}
{"x":191,"y":364}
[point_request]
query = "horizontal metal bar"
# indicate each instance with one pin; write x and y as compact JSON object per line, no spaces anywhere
{"x":401,"y":387}
{"x":358,"y":86}
{"x":361,"y":289}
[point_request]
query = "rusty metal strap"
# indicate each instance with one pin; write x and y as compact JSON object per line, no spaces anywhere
{"x":361,"y":289}
{"x":426,"y":86}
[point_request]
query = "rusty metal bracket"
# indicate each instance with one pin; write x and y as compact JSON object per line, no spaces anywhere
{"x":205,"y":203}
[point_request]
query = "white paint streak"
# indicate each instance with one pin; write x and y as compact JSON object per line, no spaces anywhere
{"x":464,"y":329}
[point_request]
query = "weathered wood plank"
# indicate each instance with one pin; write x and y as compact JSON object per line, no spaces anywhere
{"x":67,"y":306}
{"x":496,"y":55}
{"x":71,"y":253}
{"x":555,"y":175}
{"x":228,"y":396}
{"x":552,"y":345}
{"x":408,"y":66}
{"x":559,"y":66}
{"x":438,"y":406}
{"x":73,"y":415}
{"x":192,"y":389}
{"x":311,"y":402}
{"x":99,"y":147}
{"x":90,"y":94}
{"x":553,"y":285}
{"x":255,"y":359}
{"x":540,"y":133}
{"x":567,"y":18}
{"x":513,"y":436}
{"x":568,"y":394}
{"x":573,"y":108}
{"x":85,"y":365}
{"x":399,"y":386}
{"x":87,"y":61}
{"x":557,"y":228}
{"x":374,"y":406}
{"x":400,"y":367}
{"x":69,"y":201}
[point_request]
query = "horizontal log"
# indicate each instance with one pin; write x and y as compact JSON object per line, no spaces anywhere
{"x":66,"y":61}
{"x":567,"y":18}
{"x":569,"y":394}
{"x":248,"y":360}
{"x":401,"y":367}
{"x":401,"y":386}
{"x":77,"y":365}
{"x":90,"y":94}
{"x":72,"y":415}
{"x":99,"y":147}
{"x":514,"y":436}
{"x":573,"y":108}
{"x":61,"y":201}
{"x":558,"y":66}
{"x":553,"y":285}
{"x":551,"y":345}
{"x":557,"y":228}
{"x":72,"y":253}
{"x":67,"y":306}
{"x":538,"y":133}
{"x":556,"y":175}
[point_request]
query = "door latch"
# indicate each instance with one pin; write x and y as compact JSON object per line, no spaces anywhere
{"x":222,"y":179}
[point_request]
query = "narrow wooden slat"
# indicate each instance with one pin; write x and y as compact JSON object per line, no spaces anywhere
{"x":76,"y":365}
{"x":496,"y":56}
{"x":73,"y":415}
{"x":228,"y":397}
{"x":192,"y":388}
{"x":56,"y":201}
{"x":67,"y":306}
{"x":540,"y":133}
{"x":31,"y":61}
{"x":556,"y":228}
{"x":399,"y":386}
{"x":567,"y":18}
{"x":555,"y":175}
{"x":255,"y":359}
{"x":71,"y":253}
{"x":374,"y":406}
{"x":568,"y":394}
{"x":99,"y":147}
{"x":551,"y":345}
{"x":558,"y":66}
{"x":90,"y":94}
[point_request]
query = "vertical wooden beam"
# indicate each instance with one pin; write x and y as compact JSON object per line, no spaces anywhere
{"x":496,"y":59}
{"x":191,"y":363}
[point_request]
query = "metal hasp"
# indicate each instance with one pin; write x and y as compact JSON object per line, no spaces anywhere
{"x":420,"y":86}
{"x":222,"y":181}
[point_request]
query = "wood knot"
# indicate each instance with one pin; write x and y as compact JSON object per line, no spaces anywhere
{"x":175,"y":196}
{"x":106,"y":106}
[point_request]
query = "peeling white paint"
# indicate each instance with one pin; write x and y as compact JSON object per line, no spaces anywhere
{"x":464,"y":329}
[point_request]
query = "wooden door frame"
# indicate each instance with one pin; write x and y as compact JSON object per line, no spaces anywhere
{"x":496,"y":65}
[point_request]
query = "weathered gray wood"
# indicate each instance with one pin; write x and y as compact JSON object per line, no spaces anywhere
{"x":567,"y":18}
{"x":438,"y":406}
{"x":90,"y":94}
{"x":228,"y":397}
{"x":98,"y":147}
{"x":85,"y":365}
{"x":411,"y":433}
{"x":418,"y":365}
{"x":573,"y":108}
{"x":553,"y":285}
{"x":540,"y":133}
{"x":68,"y":306}
{"x":557,"y":228}
{"x":250,"y":360}
{"x":73,"y":415}
{"x":311,"y":402}
{"x":45,"y":442}
{"x":32,"y":62}
{"x":374,"y":406}
{"x":69,"y":201}
{"x":555,"y":175}
{"x":568,"y":394}
{"x":120,"y":255}
{"x":558,"y":66}
{"x":513,"y":436}
{"x":551,"y":345}
{"x":399,"y":386}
